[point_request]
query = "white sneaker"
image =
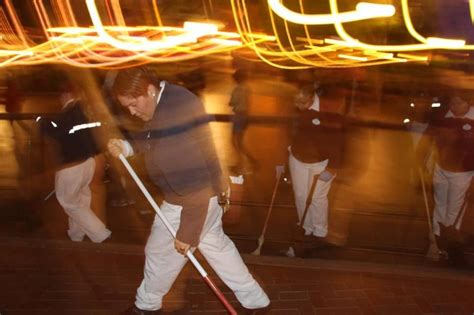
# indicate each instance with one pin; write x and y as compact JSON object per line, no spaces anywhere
{"x":290,"y":252}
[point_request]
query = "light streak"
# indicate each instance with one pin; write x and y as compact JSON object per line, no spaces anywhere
{"x":15,"y":52}
{"x":377,"y":54}
{"x":119,"y":45}
{"x":226,"y":42}
{"x":471,"y":10}
{"x":200,"y":28}
{"x":445,"y":42}
{"x":84,"y":126}
{"x":148,"y":45}
{"x":413,"y":57}
{"x":356,"y":58}
{"x":314,"y":41}
{"x":295,"y":56}
{"x":364,"y":11}
{"x":350,"y":43}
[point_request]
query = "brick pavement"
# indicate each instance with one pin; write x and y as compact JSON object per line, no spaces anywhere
{"x":61,"y":277}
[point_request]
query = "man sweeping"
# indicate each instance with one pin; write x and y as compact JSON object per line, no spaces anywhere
{"x":316,"y":150}
{"x":452,"y":134}
{"x":181,"y":160}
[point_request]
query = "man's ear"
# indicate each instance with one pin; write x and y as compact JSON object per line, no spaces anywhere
{"x":151,"y":90}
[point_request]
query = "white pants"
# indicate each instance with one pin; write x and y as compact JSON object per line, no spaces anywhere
{"x":74,"y":195}
{"x":302,"y":174}
{"x":449,"y":193}
{"x":163,"y":263}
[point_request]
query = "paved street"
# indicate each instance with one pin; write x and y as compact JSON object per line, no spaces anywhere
{"x":61,"y":277}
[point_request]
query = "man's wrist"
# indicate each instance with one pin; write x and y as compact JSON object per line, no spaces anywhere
{"x":127,"y":148}
{"x":223,"y":198}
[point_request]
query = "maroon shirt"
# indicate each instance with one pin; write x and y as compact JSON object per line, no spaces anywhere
{"x":454,"y":140}
{"x":318,"y":135}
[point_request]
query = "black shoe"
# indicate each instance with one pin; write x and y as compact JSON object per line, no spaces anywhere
{"x":318,"y":242}
{"x":136,"y":311}
{"x":108,"y":240}
{"x":457,"y":258}
{"x":256,"y":311}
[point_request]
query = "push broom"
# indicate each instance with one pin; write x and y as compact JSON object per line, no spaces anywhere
{"x":433,"y":250}
{"x":279,"y":171}
{"x":189,"y":254}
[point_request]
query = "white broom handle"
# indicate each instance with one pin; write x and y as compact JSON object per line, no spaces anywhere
{"x":150,"y":199}
{"x":425,"y":197}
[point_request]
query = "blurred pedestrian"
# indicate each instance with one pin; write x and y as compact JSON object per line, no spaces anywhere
{"x":27,"y":154}
{"x":239,"y":101}
{"x":181,"y":160}
{"x":316,"y":150}
{"x":80,"y":168}
{"x":22,"y":134}
{"x":193,"y":79}
{"x":452,"y":134}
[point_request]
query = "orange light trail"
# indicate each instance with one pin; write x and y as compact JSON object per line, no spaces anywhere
{"x":110,"y":43}
{"x":101,"y":46}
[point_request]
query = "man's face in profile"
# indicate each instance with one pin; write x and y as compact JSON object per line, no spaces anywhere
{"x":303,"y":101}
{"x":458,"y":106}
{"x":142,"y":106}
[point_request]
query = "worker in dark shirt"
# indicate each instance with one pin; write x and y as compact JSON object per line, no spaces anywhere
{"x":181,"y":160}
{"x":239,"y":101}
{"x":78,"y":162}
{"x":316,"y":150}
{"x":452,"y":134}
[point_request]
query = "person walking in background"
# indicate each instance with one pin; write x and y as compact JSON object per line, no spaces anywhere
{"x":316,"y":150}
{"x":22,"y":134}
{"x":80,"y":168}
{"x":239,"y":101}
{"x":181,"y":160}
{"x":452,"y":133}
{"x":27,"y":154}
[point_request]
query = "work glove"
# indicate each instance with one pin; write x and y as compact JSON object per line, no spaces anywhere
{"x":119,"y":146}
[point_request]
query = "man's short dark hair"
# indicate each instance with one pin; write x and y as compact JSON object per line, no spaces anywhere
{"x":307,"y":89}
{"x":240,"y":75}
{"x":134,"y":82}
